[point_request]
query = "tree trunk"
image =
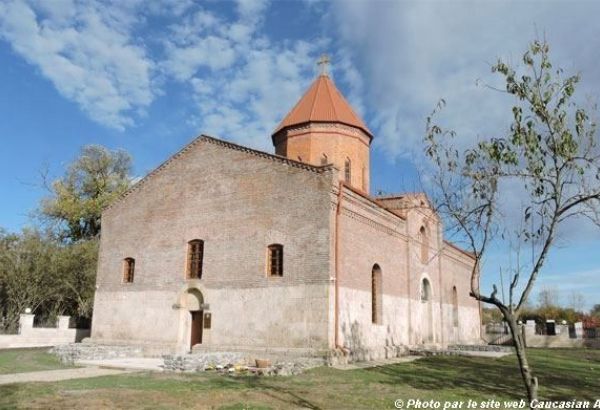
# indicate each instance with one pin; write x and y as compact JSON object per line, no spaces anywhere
{"x":531,"y":383}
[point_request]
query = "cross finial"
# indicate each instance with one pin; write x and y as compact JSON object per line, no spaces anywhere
{"x":323,"y":63}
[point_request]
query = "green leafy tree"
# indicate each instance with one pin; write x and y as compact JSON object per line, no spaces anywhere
{"x":26,"y":277}
{"x":75,"y":266}
{"x":57,"y":277}
{"x":595,"y":312}
{"x":95,"y":179}
{"x":549,"y":157}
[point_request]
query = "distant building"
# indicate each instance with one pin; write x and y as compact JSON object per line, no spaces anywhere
{"x":226,"y":247}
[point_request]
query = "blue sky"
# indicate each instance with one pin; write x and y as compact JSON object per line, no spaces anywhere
{"x":150,"y":76}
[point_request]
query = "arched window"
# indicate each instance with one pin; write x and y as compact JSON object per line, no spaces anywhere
{"x":128,"y":270}
{"x":195,"y":258}
{"x":425,"y":291}
{"x":454,"y":306}
{"x":424,"y":239}
{"x":324,"y":159}
{"x":427,"y":332}
{"x":376,"y":295}
{"x":348,"y":170}
{"x":275,"y":260}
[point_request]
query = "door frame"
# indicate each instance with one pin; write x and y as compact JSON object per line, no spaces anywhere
{"x":196,"y":326}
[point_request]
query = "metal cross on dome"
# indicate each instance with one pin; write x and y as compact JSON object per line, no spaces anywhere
{"x":323,"y":63}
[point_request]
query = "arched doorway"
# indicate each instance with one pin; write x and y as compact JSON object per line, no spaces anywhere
{"x":194,"y":304}
{"x":426,"y":312}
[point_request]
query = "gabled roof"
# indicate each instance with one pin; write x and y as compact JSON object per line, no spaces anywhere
{"x":323,"y":102}
{"x":319,"y":169}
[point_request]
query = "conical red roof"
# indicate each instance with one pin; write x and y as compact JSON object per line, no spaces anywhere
{"x":323,"y":102}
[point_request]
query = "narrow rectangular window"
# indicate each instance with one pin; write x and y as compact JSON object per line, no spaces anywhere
{"x":128,"y":270}
{"x":348,"y":171}
{"x":376,"y":295}
{"x":195,"y":259}
{"x":275,"y":260}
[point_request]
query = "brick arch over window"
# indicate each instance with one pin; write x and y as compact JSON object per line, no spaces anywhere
{"x":195,"y":259}
{"x":128,"y":270}
{"x":275,"y":260}
{"x":376,"y":295}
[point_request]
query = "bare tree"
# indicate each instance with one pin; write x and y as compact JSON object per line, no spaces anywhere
{"x":549,"y":157}
{"x":577,"y":301}
{"x":548,"y":297}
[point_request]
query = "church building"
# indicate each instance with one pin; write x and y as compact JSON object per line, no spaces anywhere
{"x":223,"y":247}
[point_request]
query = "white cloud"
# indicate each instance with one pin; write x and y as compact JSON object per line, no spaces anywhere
{"x":113,"y":62}
{"x":213,"y":52}
{"x":411,"y":54}
{"x":243,"y":81}
{"x":84,"y":49}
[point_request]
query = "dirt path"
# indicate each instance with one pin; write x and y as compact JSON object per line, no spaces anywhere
{"x":56,"y":375}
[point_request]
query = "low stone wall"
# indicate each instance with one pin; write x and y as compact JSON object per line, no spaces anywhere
{"x":30,"y":336}
{"x":203,"y":361}
{"x":69,"y":353}
{"x":480,"y":348}
{"x":562,"y":339}
{"x":238,"y":362}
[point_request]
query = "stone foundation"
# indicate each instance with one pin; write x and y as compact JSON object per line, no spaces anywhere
{"x":345,"y":356}
{"x":72,"y":352}
{"x":480,"y":348}
{"x":204,"y":361}
{"x":237,"y":362}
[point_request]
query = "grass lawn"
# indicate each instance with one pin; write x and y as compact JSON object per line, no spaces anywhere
{"x":28,"y":360}
{"x":563,"y":374}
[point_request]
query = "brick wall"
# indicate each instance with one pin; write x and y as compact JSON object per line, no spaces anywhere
{"x":371,"y":235}
{"x":237,"y":201}
{"x":338,"y":141}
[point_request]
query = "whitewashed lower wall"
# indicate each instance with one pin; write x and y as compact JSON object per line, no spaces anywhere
{"x":356,"y":328}
{"x":404,"y":322}
{"x":253,"y":317}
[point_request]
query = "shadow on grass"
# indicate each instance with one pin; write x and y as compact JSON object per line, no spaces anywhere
{"x":440,"y":373}
{"x":275,"y":391}
{"x":561,"y":376}
{"x":283,"y":390}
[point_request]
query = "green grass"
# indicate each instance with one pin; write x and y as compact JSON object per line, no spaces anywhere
{"x":563,"y":374}
{"x":28,"y":360}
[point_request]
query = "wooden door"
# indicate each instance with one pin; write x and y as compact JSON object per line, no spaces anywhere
{"x":196,"y":328}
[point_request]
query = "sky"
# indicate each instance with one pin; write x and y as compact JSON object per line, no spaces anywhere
{"x":149,"y":76}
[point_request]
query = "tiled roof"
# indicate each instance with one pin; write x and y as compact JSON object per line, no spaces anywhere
{"x":323,"y":102}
